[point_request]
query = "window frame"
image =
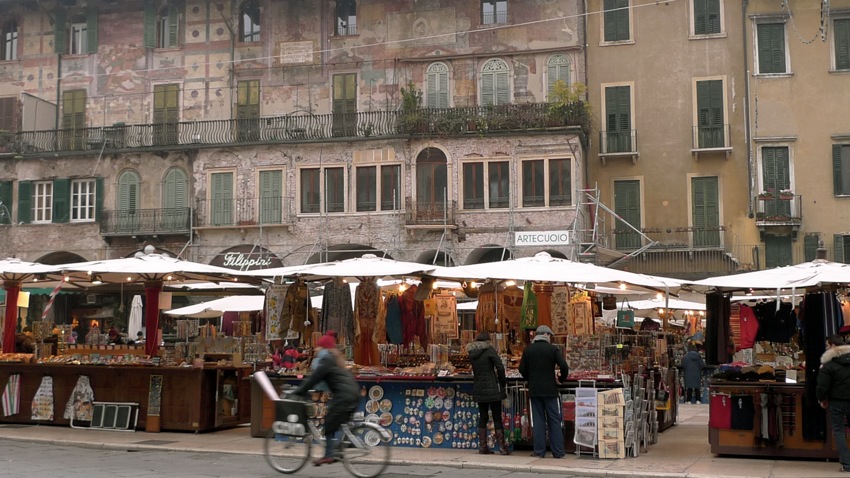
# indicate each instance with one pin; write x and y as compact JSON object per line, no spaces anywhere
{"x":42,"y":202}
{"x":697,"y":108}
{"x":168,"y":27}
{"x":228,"y":214}
{"x":616,"y":11}
{"x":546,"y":178}
{"x":489,"y":167}
{"x":270,"y":211}
{"x":345,"y":11}
{"x":496,"y":75}
{"x":83,"y":212}
{"x":439,"y":75}
{"x":840,"y":168}
{"x":78,"y":38}
{"x":375,"y":184}
{"x":554,"y":61}
{"x":721,"y":7}
{"x":693,"y":179}
{"x":323,"y":190}
{"x":497,"y":17}
{"x":757,"y":56}
{"x":631,"y":143}
{"x":250,"y":33}
{"x":10,"y":34}
{"x":834,"y":46}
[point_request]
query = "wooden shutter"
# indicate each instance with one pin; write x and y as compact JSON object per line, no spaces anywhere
{"x":810,"y":246}
{"x":713,"y":16}
{"x":841,"y":32}
{"x":706,"y":211}
{"x":98,"y":198}
{"x":700,"y":17}
{"x":74,"y":109}
{"x":271,"y":192}
{"x":61,"y":200}
{"x":771,"y":48}
{"x":775,"y":168}
{"x":91,"y":29}
{"x":173,"y":26}
{"x":627,"y":207}
{"x":150,"y":25}
{"x":618,"y":108}
{"x":59,"y":29}
{"x":128,"y":191}
{"x":556,"y":70}
{"x":248,"y":99}
{"x":488,"y":88}
{"x":24,"y":201}
{"x":837,"y":171}
{"x":174,"y":190}
{"x":431,"y":90}
{"x":5,"y":202}
{"x":503,"y":88}
{"x":838,"y":240}
{"x":9,"y":114}
{"x":616,"y":20}
{"x":437,"y":94}
{"x":221,"y":194}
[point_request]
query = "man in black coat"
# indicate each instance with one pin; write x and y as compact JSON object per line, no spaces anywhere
{"x":537,"y":366}
{"x":833,"y":392}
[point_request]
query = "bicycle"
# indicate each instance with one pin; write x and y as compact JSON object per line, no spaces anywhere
{"x":364,"y":447}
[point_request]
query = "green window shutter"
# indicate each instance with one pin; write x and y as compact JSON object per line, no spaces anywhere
{"x":700,"y":17}
{"x":488,"y":87}
{"x":616,"y":18}
{"x":841,"y":32}
{"x":25,"y":201}
{"x":150,"y":25}
{"x":810,"y":246}
{"x":61,"y":200}
{"x":443,"y":93}
{"x":838,"y":241}
{"x":174,"y":190}
{"x":431,"y":93}
{"x":623,"y":21}
{"x":221,"y":194}
{"x":6,"y":200}
{"x":837,"y":170}
{"x":128,"y":191}
{"x":713,"y":16}
{"x":503,"y":88}
{"x":59,"y":32}
{"x":91,"y":28}
{"x":706,"y":211}
{"x":618,"y":108}
{"x":558,"y":68}
{"x":271,"y":192}
{"x":627,"y":207}
{"x":98,"y":198}
{"x":771,"y":48}
{"x":173,"y":26}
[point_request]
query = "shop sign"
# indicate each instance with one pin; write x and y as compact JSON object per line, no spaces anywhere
{"x":542,"y":238}
{"x":242,"y":258}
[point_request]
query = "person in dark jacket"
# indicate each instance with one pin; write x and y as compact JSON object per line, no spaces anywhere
{"x":488,"y":390}
{"x":833,"y":392}
{"x":537,"y":366}
{"x":345,"y":393}
{"x":692,"y":365}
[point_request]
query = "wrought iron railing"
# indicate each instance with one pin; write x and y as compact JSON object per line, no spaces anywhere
{"x":243,"y":211}
{"x":430,"y":213}
{"x":302,"y":126}
{"x":132,"y":222}
{"x":779,"y":208}
{"x":711,"y":137}
{"x":612,"y":142}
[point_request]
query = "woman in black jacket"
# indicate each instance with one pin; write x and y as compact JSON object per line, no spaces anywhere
{"x":488,"y":390}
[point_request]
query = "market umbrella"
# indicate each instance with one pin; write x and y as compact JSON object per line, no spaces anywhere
{"x":807,"y":274}
{"x":670,"y":303}
{"x":369,"y":265}
{"x":152,"y":270}
{"x":13,"y":272}
{"x":136,"y":315}
{"x":217,"y":307}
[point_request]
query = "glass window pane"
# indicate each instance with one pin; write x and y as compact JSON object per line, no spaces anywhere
{"x":390,"y":187}
{"x":499,"y":184}
{"x":367,"y":188}
{"x":532,"y":184}
{"x":310,"y":191}
{"x":473,"y":186}
{"x":334,"y":190}
{"x":560,"y":188}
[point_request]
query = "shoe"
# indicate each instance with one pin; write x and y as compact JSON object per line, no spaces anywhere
{"x":326,"y":460}
{"x":844,"y":469}
{"x":538,"y":456}
{"x":500,"y":440}
{"x":483,"y":448}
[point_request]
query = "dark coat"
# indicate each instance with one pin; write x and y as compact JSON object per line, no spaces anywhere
{"x":834,"y":375}
{"x":537,"y":366}
{"x":340,"y":381}
{"x":488,"y":372}
{"x":692,"y":365}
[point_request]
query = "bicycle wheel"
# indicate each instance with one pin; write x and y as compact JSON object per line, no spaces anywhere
{"x":366,"y":453}
{"x":285,"y":453}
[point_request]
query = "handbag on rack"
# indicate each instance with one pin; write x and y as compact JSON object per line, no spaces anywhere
{"x":662,"y":396}
{"x":625,"y":315}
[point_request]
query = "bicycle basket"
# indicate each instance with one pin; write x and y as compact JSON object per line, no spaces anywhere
{"x":294,"y":411}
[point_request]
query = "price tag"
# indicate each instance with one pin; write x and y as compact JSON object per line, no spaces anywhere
{"x":443,"y":373}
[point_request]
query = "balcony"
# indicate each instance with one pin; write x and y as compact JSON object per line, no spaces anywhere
{"x":146,"y":222}
{"x":301,"y":127}
{"x":711,"y":140}
{"x":430,"y":215}
{"x":243,"y":212}
{"x":777,"y":211}
{"x":618,"y":144}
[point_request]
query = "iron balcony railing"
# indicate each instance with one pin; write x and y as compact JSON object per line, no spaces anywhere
{"x":430,"y":213}
{"x":133,"y":222}
{"x":778,"y":208}
{"x":613,"y":142}
{"x":243,"y":211}
{"x":301,"y":126}
{"x":711,"y":137}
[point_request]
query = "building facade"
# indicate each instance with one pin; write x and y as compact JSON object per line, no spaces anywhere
{"x":267,"y":132}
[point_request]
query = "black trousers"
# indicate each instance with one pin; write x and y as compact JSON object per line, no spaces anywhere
{"x":485,"y":409}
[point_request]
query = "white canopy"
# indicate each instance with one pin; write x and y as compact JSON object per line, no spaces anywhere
{"x":807,"y":274}
{"x":369,"y":265}
{"x":217,"y":307}
{"x":671,"y":303}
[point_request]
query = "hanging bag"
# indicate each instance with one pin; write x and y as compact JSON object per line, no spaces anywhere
{"x":662,"y":396}
{"x":625,"y":316}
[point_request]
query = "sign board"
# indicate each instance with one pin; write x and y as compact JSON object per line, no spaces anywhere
{"x":246,"y":257}
{"x":296,"y":52}
{"x":542,"y":238}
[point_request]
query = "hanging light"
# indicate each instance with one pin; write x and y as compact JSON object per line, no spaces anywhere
{"x":96,"y":279}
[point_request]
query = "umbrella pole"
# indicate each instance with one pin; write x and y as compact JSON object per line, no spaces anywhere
{"x":10,"y":322}
{"x":152,"y":290}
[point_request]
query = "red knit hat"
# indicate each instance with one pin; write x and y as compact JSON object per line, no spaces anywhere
{"x":326,"y":342}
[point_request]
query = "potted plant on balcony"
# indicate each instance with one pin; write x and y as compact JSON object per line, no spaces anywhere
{"x":766,"y":195}
{"x":566,"y":106}
{"x":786,"y":194}
{"x":410,"y":116}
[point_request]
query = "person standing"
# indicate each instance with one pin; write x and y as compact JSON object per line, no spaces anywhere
{"x":833,"y":393}
{"x":488,"y":389}
{"x":537,"y":367}
{"x":692,"y":365}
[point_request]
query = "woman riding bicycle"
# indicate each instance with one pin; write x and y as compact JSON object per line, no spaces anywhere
{"x":345,"y":393}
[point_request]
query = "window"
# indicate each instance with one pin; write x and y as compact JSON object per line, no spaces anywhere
{"x":10,"y":41}
{"x":367,"y":194}
{"x":5,"y":202}
{"x":841,"y":169}
{"x":346,"y":17}
{"x":322,"y":189}
{"x":616,"y":20}
{"x":537,"y":191}
{"x":618,"y":119}
{"x":369,"y":184}
{"x":249,"y":22}
{"x":175,"y":201}
{"x":437,"y":83}
{"x":771,"y":48}
{"x":73,"y":119}
{"x":776,"y":176}
{"x":42,"y":201}
{"x":841,"y":33}
{"x":557,"y":69}
{"x":431,"y":180}
{"x":390,"y":187}
{"x":778,"y":251}
{"x":77,"y":37}
{"x":248,"y":110}
{"x":841,"y":245}
{"x":495,"y":85}
{"x":711,"y":130}
{"x":82,"y":200}
{"x":129,"y":186}
{"x":345,"y":104}
{"x":9,"y":114}
{"x":492,"y":194}
{"x":627,"y":207}
{"x":162,"y":29}
{"x":271,"y":197}
{"x":166,"y":114}
{"x":706,"y":17}
{"x":221,"y":199}
{"x":811,"y":242}
{"x":706,"y":211}
{"x":494,"y":11}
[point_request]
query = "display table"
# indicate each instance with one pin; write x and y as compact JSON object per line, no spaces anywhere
{"x":192,"y":399}
{"x":743,"y":441}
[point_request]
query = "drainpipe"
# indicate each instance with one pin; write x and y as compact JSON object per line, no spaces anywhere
{"x":750,"y":186}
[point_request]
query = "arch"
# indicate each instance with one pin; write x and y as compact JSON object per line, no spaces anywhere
{"x":129,"y":184}
{"x":437,"y":86}
{"x":175,"y":189}
{"x":249,"y":21}
{"x":431,"y":177}
{"x":341,"y":252}
{"x":435,"y":257}
{"x":489,"y":253}
{"x":557,"y":68}
{"x":60,"y":257}
{"x":495,"y":85}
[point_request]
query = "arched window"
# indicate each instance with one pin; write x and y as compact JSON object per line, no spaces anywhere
{"x":249,"y":22}
{"x":437,"y":84}
{"x":346,"y":17}
{"x":495,"y":85}
{"x":431,"y":180}
{"x":128,"y":191}
{"x":10,"y":41}
{"x":557,"y":68}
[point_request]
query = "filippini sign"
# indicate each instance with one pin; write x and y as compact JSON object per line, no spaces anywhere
{"x":542,"y":238}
